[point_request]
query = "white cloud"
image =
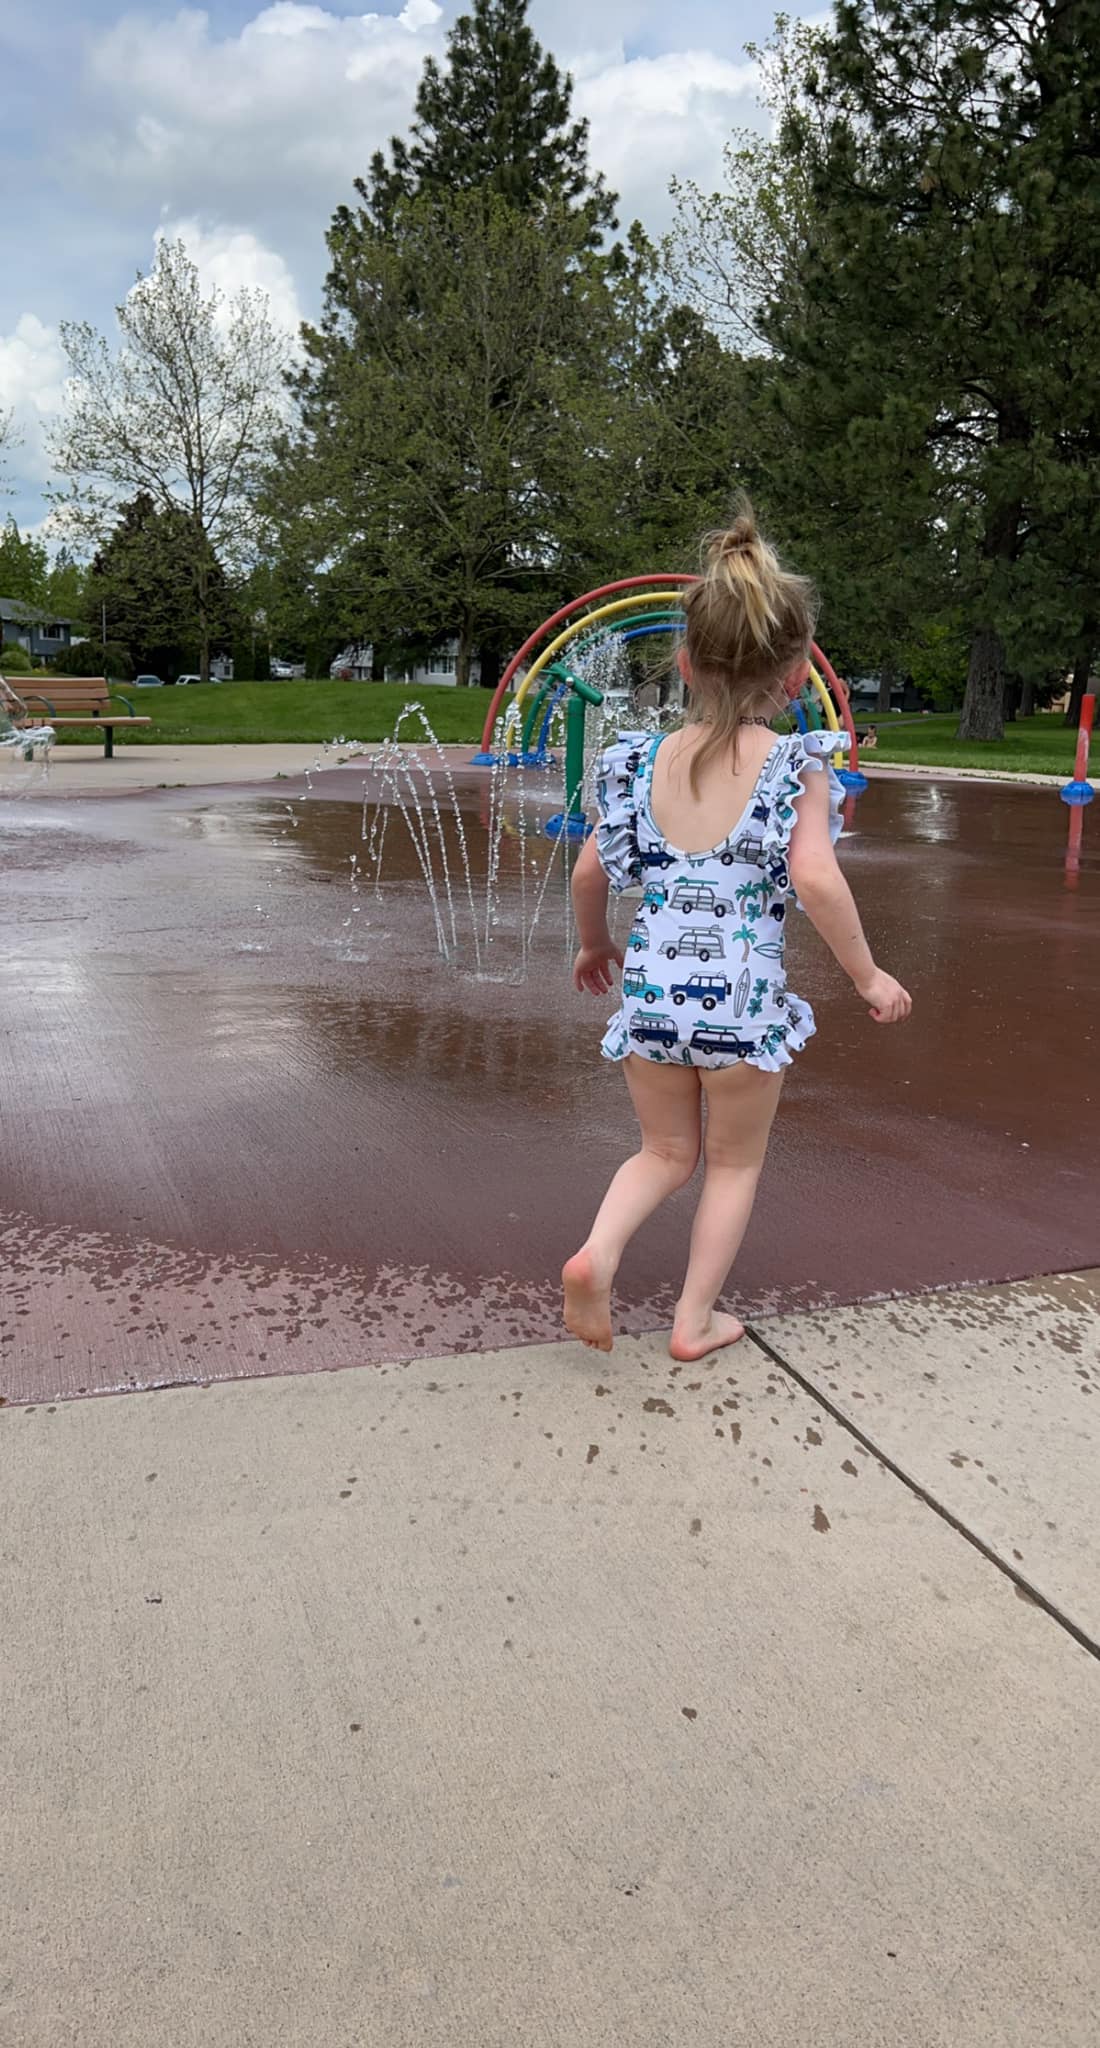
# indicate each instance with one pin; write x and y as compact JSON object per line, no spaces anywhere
{"x":655,"y":118}
{"x":32,"y":376}
{"x":268,"y":125}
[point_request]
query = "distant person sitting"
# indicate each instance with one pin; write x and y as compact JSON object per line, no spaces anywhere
{"x":870,"y":738}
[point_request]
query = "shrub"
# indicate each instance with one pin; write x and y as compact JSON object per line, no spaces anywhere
{"x":14,"y":659}
{"x":92,"y":658}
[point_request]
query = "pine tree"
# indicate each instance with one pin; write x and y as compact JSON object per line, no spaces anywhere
{"x":495,"y":118}
{"x":456,"y":384}
{"x":931,"y":310}
{"x":144,"y":594}
{"x":448,"y":462}
{"x":955,"y":157}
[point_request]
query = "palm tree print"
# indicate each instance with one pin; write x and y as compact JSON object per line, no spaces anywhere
{"x":752,"y":899}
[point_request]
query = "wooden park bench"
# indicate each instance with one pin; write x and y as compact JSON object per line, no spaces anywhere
{"x":76,"y":700}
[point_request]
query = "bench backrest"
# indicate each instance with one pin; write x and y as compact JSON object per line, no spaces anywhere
{"x":66,"y":696}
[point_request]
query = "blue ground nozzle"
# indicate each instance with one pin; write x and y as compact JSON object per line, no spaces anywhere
{"x":565,"y":825}
{"x":1075,"y":793}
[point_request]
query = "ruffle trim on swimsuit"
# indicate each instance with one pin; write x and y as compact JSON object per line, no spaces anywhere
{"x":773,"y":1052}
{"x":806,"y":752}
{"x":617,"y":830}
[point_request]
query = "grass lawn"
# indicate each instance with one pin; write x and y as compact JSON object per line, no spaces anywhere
{"x":1037,"y":746}
{"x":254,"y":712}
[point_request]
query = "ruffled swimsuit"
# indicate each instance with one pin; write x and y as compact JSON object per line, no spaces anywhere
{"x":704,"y":983}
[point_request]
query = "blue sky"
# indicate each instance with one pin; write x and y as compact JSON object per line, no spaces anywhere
{"x":242,"y":125}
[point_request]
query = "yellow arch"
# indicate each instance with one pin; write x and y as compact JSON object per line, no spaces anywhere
{"x":621,"y":604}
{"x":827,"y":705}
{"x":831,"y":718}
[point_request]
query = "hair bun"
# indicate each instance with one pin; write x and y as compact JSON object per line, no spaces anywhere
{"x":741,"y":537}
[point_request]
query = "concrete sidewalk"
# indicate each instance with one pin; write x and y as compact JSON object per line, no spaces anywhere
{"x":83,"y":771}
{"x":544,"y":1698}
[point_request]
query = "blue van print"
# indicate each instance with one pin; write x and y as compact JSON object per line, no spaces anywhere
{"x":653,"y":1030}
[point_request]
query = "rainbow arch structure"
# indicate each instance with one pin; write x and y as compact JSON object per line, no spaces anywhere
{"x":617,"y":608}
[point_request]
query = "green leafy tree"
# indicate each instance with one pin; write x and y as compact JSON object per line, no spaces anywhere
{"x":66,"y":587}
{"x":24,"y":566}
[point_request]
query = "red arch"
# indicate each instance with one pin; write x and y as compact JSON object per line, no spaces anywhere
{"x":639,"y":583}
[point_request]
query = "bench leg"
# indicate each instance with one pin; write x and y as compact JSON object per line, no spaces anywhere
{"x":108,"y":743}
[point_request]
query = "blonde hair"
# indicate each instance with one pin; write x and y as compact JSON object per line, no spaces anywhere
{"x":747,"y":622}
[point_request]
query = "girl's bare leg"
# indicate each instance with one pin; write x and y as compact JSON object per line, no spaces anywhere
{"x":741,"y":1102}
{"x":667,"y":1104}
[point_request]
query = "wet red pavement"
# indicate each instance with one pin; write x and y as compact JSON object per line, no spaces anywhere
{"x":251,"y":1124}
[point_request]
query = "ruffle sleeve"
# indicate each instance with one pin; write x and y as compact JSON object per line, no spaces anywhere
{"x":805,"y":753}
{"x":617,"y":825}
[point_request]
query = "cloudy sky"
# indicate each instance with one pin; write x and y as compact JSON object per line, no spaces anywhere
{"x":241,"y":126}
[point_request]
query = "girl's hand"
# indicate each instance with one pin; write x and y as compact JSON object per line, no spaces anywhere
{"x":592,"y":970}
{"x":888,"y":1001}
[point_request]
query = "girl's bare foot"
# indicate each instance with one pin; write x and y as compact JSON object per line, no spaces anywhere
{"x":691,"y":1340}
{"x":587,"y":1285}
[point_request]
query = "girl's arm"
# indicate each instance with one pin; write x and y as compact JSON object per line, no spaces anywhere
{"x":830,"y":906}
{"x":591,"y":970}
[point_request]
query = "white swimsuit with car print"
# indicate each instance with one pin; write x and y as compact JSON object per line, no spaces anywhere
{"x":704,"y":983}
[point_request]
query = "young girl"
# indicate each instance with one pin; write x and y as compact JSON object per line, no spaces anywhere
{"x":720,"y":824}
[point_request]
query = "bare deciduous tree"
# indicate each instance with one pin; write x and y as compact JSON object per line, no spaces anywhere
{"x":185,"y":407}
{"x":10,"y":438}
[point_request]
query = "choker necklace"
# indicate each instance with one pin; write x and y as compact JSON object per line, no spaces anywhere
{"x":754,"y":721}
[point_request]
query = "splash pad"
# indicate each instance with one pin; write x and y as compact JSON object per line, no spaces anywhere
{"x":562,"y":698}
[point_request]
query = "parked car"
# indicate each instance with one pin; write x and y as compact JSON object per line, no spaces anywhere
{"x":708,"y":989}
{"x":148,"y":683}
{"x":181,"y":681}
{"x":286,"y":671}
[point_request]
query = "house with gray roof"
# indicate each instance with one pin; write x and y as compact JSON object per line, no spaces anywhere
{"x":39,"y":632}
